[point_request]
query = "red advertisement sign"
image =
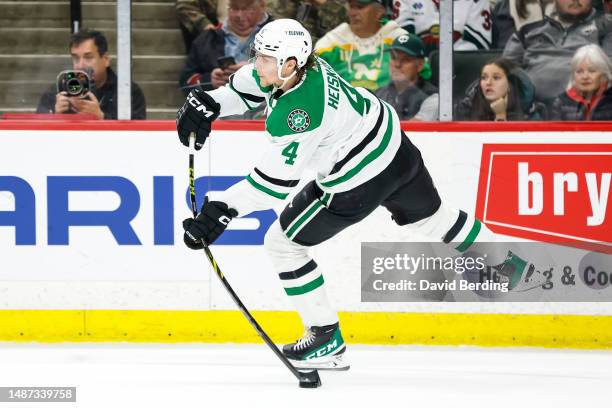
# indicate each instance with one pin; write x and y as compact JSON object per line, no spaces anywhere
{"x":548,"y":192}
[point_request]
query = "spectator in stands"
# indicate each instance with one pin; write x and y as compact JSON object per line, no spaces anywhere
{"x":530,"y":11}
{"x":410,"y":72}
{"x":511,"y":15}
{"x":234,"y":39}
{"x":472,"y":22}
{"x":544,"y":49}
{"x":503,"y":93}
{"x":356,"y":50}
{"x":89,"y":51}
{"x":588,"y":95}
{"x":430,"y":109}
{"x":196,"y":16}
{"x":318,"y":16}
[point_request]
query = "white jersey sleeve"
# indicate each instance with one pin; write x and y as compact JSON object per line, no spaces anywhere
{"x":404,"y":15}
{"x":473,"y":20}
{"x":242,"y":93}
{"x":275,"y":175}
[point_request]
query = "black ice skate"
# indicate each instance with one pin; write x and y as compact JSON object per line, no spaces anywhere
{"x":519,"y":274}
{"x":321,"y":348}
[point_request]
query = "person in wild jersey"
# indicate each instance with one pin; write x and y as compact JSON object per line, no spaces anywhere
{"x":472,"y":22}
{"x":362,"y":158}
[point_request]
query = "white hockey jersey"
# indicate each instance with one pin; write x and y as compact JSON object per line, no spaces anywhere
{"x":344,"y":133}
{"x":472,"y":22}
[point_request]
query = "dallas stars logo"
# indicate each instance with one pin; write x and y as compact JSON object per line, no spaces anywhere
{"x":298,"y":120}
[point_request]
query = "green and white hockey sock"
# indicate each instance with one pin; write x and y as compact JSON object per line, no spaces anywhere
{"x":461,"y":231}
{"x":465,"y":233}
{"x":305,"y":287}
{"x":470,"y":234}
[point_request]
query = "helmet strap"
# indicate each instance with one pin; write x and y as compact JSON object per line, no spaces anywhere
{"x":284,"y":79}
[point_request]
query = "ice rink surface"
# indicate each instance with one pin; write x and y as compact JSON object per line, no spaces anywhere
{"x":203,"y":375}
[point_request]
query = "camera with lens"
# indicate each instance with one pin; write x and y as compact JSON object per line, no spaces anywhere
{"x":74,"y":83}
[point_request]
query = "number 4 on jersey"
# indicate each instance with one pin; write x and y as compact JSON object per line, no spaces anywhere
{"x":290,"y":152}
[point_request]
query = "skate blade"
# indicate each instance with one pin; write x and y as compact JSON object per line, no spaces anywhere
{"x":336,"y":364}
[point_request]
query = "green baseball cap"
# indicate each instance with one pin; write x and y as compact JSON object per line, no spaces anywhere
{"x":410,"y":44}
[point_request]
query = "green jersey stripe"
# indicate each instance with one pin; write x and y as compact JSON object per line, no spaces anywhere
{"x":311,"y":211}
{"x":292,"y":223}
{"x":469,"y":240}
{"x":326,"y":199}
{"x":300,"y":290}
{"x":308,"y":214}
{"x":355,"y":151}
{"x":373,"y":155}
{"x":251,"y":101}
{"x":255,"y":176}
{"x":266,"y":190}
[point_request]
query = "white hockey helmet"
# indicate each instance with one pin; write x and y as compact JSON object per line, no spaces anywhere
{"x":282,"y":39}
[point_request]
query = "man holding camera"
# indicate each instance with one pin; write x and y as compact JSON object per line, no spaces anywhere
{"x":217,"y":53}
{"x":89,"y":52}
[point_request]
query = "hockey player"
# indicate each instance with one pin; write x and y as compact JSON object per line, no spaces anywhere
{"x":362,"y":158}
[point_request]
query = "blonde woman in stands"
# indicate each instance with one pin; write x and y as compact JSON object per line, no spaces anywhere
{"x":588,"y":95}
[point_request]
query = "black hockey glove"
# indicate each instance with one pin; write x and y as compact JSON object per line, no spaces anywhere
{"x":196,"y":115}
{"x":208,"y":225}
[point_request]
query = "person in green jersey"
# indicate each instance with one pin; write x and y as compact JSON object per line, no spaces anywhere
{"x":363,"y":160}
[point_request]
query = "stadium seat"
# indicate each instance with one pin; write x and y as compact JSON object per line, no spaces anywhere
{"x":467,"y":65}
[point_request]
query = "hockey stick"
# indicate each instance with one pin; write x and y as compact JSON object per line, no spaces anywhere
{"x":309,"y":379}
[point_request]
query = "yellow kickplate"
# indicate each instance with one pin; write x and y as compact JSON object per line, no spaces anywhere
{"x":220,"y":326}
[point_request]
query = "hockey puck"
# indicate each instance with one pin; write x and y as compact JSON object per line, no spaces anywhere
{"x":310,"y":379}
